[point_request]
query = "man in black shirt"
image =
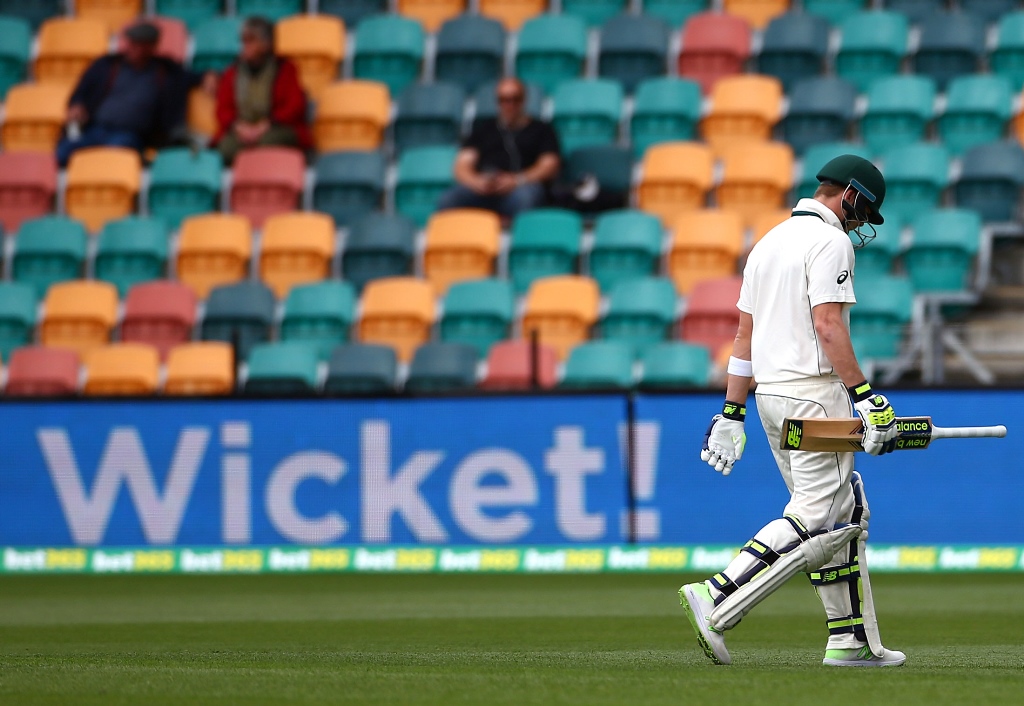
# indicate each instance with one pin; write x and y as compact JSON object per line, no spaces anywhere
{"x":504,"y":163}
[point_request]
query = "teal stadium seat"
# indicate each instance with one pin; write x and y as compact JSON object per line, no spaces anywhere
{"x":640,"y":312}
{"x":184,"y":183}
{"x":15,"y":51}
{"x":192,"y":12}
{"x":675,"y":364}
{"x":633,"y":48}
{"x":241,"y":314}
{"x":820,"y":111}
{"x":587,"y":112}
{"x":835,"y":11}
{"x":378,"y":246}
{"x":470,"y":51}
{"x":48,"y":250}
{"x":273,"y":10}
{"x":594,"y":12}
{"x":816,"y":157}
{"x":359,"y":368}
{"x":319,"y":314}
{"x":879,"y":256}
{"x":793,"y":47}
{"x":487,"y":101}
{"x":353,"y":11}
{"x":389,"y":49}
{"x":989,"y":10}
{"x":873,"y":45}
{"x":35,"y":12}
{"x":284,"y":368}
{"x":942,"y":252}
{"x":991,"y":177}
{"x":217,"y":43}
{"x":17,"y":316}
{"x":544,"y":242}
{"x":665,"y":109}
{"x":348,"y":185}
{"x":130,"y":251}
{"x":442,"y":367}
{"x":599,"y":364}
{"x":951,"y":44}
{"x":1007,"y":60}
{"x":551,"y":49}
{"x":878,"y":320}
{"x":915,"y":177}
{"x":627,"y":244}
{"x":899,"y":111}
{"x":478,"y":313}
{"x":612,"y":168}
{"x":674,"y":12}
{"x":915,"y":10}
{"x":977,"y":109}
{"x":424,"y":173}
{"x":428,"y":114}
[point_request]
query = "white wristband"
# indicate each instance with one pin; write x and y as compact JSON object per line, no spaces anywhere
{"x":740,"y":368}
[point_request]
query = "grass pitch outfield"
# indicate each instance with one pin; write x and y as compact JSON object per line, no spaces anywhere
{"x":471,"y":639}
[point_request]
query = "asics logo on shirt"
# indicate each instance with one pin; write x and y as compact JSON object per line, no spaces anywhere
{"x":842,"y":276}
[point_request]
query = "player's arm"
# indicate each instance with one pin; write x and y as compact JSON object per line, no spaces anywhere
{"x":725,"y":437}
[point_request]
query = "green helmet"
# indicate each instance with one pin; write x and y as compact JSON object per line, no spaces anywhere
{"x":863,"y":176}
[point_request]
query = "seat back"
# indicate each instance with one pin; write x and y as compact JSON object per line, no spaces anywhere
{"x":470,"y":51}
{"x":159,"y":313}
{"x":35,"y":12}
{"x":666,"y":109}
{"x":711,"y":315}
{"x":942,"y":253}
{"x":675,"y":364}
{"x":424,"y":173}
{"x":793,"y":47}
{"x":34,"y":117}
{"x":706,"y":244}
{"x":759,"y":13}
{"x":28,"y":183}
{"x":273,"y":10}
{"x":351,"y":115}
{"x":131,"y":250}
{"x":595,"y":12}
{"x":200,"y":369}
{"x":899,"y":110}
{"x":378,"y":246}
{"x":478,"y":313}
{"x":241,"y":314}
{"x":267,"y":180}
{"x":320,"y":314}
{"x":48,"y":250}
{"x":991,"y":177}
{"x":432,"y":14}
{"x":551,"y":49}
{"x":977,"y":109}
{"x":544,"y":242}
{"x":38,"y":371}
{"x":358,"y":368}
{"x":216,"y":43}
{"x":17,"y":316}
{"x":561,"y":310}
{"x":183,"y":183}
{"x":213,"y":250}
{"x":316,"y":44}
{"x":879,"y":320}
{"x":15,"y":52}
{"x":428,"y":114}
{"x":282,"y":368}
{"x":397,"y":312}
{"x":67,"y":45}
{"x":442,"y":367}
{"x":714,"y":45}
{"x":518,"y":365}
{"x":627,"y":245}
{"x":951,"y":44}
{"x":115,"y":14}
{"x":915,"y":176}
{"x":873,"y":45}
{"x":461,"y":244}
{"x":349,"y":185}
{"x":102,"y":184}
{"x":755,"y":178}
{"x":599,"y":364}
{"x":297,"y":248}
{"x":191,"y":12}
{"x":389,"y":49}
{"x":607,"y":167}
{"x":353,"y":11}
{"x":820,"y":111}
{"x":513,"y":13}
{"x":633,"y":48}
{"x":640,"y":312}
{"x":835,"y":11}
{"x":744,"y":109}
{"x":121,"y":369}
{"x":675,"y":177}
{"x":79,"y":315}
{"x":1007,"y":60}
{"x":587,"y":112}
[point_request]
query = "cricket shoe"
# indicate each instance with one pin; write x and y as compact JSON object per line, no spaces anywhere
{"x":862,"y":657}
{"x":696,"y":601}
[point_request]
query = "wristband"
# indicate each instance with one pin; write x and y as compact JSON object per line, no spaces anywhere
{"x":861,"y":391}
{"x":740,"y":368}
{"x":734,"y":411}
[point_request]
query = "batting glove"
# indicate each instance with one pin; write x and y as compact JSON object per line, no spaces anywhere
{"x":879,"y":419}
{"x":725,"y":438}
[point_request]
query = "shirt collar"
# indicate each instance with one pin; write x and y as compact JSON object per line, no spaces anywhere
{"x":821,"y":209}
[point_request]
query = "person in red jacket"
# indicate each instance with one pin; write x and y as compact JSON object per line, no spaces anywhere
{"x":259,"y":99}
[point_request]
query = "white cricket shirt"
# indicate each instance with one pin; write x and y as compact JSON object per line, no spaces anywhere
{"x":800,"y":263}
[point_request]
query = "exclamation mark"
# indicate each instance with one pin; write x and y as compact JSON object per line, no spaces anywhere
{"x":645,"y":455}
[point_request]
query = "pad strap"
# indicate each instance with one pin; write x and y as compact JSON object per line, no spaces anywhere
{"x":849,"y":624}
{"x":835,"y":574}
{"x":761,"y":552}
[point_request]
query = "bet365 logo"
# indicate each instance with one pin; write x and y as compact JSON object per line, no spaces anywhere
{"x":793,"y":435}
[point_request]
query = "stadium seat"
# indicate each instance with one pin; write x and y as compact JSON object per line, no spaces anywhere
{"x":200,"y":369}
{"x":676,"y":177}
{"x":296,"y":248}
{"x":35,"y":12}
{"x":820,"y":110}
{"x":216,"y":43}
{"x":486,"y":100}
{"x":512,"y":13}
{"x":675,"y":364}
{"x":14,"y":53}
{"x":102,"y":184}
{"x":320,"y":314}
{"x":941,"y":255}
{"x":378,"y":246}
{"x":273,"y":10}
{"x":915,"y":177}
{"x":114,"y":14}
{"x":599,"y":364}
{"x":872,"y":45}
{"x":640,"y":312}
{"x":470,"y":51}
{"x":192,"y":12}
{"x":441,"y":367}
{"x":627,"y":245}
{"x":316,"y":45}
{"x":349,"y":185}
{"x":665,"y":109}
{"x":877,"y":323}
{"x":351,"y":115}
{"x":213,"y":250}
{"x":816,"y":157}
{"x":267,"y":180}
{"x":551,"y":49}
{"x":706,"y":244}
{"x":879,"y":256}
{"x":461,"y":244}
{"x":478,"y":313}
{"x":899,"y":110}
{"x":389,"y":49}
{"x":977,"y":109}
{"x":357,"y":368}
{"x":544,"y":242}
{"x":793,"y":47}
{"x":37,"y":371}
{"x":587,"y":112}
{"x":744,"y":109}
{"x":989,"y":10}
{"x":755,"y":178}
{"x":951,"y":44}
{"x":352,"y":11}
{"x":633,"y":48}
{"x":28,"y":182}
{"x":67,"y":45}
{"x":34,"y":117}
{"x":1007,"y":59}
{"x":759,"y":13}
{"x":595,"y":12}
{"x":48,"y":250}
{"x":397,"y":312}
{"x":424,"y":173}
{"x":17,"y":316}
{"x":241,"y":314}
{"x":915,"y":10}
{"x":160,"y":313}
{"x":428,"y":114}
{"x":131,"y":250}
{"x":714,"y":45}
{"x":835,"y":11}
{"x":121,"y":369}
{"x":78,"y":314}
{"x":991,"y":177}
{"x":201,"y":115}
{"x":609,"y":165}
{"x":432,"y":14}
{"x":283,"y":368}
{"x":184,"y":183}
{"x":173,"y":43}
{"x":711,"y":315}
{"x":515,"y":365}
{"x":674,"y":12}
{"x":561,"y":310}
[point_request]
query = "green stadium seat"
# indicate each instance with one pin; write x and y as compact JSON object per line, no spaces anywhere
{"x":915,"y":177}
{"x":898,"y":113}
{"x":674,"y":12}
{"x":283,"y":368}
{"x":877,"y":321}
{"x":793,"y":47}
{"x":594,"y":12}
{"x":915,"y":10}
{"x":378,"y":246}
{"x":599,"y":364}
{"x":130,"y":251}
{"x":820,"y":111}
{"x":192,"y":12}
{"x":14,"y":52}
{"x":544,"y":242}
{"x":835,"y":11}
{"x":879,"y":255}
{"x":360,"y":368}
{"x":873,"y":45}
{"x":627,"y":244}
{"x":991,"y":177}
{"x":1007,"y":60}
{"x":675,"y":364}
{"x":184,"y":183}
{"x":989,"y":10}
{"x":424,"y":173}
{"x":428,"y":114}
{"x":18,"y":304}
{"x":478,"y":313}
{"x":633,"y":48}
{"x":35,"y":12}
{"x":977,"y":109}
{"x":389,"y":49}
{"x":487,"y":101}
{"x":470,"y":51}
{"x":587,"y":112}
{"x":273,"y":10}
{"x":320,"y":314}
{"x":951,"y":44}
{"x":348,"y":185}
{"x":611,"y":166}
{"x":440,"y":367}
{"x":217,"y":42}
{"x":352,"y":11}
{"x":942,"y":252}
{"x":665,"y":109}
{"x":241,"y":314}
{"x":816,"y":157}
{"x":48,"y":250}
{"x":640,"y":312}
{"x":551,"y":49}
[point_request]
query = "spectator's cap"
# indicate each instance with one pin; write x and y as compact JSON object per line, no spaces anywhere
{"x":143,"y":33}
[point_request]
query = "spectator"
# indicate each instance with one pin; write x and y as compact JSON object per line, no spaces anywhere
{"x":260,"y":101}
{"x":506,"y":162}
{"x":131,"y":99}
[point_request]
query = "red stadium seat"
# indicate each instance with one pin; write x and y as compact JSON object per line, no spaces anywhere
{"x":28,"y":182}
{"x":714,"y":45}
{"x":711,"y":315}
{"x":509,"y":366}
{"x":36,"y":371}
{"x":159,"y":313}
{"x":267,"y":180}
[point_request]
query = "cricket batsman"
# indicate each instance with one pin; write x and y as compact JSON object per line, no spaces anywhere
{"x":793,"y":339}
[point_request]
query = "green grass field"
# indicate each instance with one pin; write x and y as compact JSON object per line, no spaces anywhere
{"x":515,"y":639}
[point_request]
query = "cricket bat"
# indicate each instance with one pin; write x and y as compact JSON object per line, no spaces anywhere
{"x":813,"y":434}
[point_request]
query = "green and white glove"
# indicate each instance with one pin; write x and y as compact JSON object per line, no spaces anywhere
{"x":879,"y":419}
{"x":724,"y":440}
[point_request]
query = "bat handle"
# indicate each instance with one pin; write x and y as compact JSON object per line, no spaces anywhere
{"x":998,"y":432}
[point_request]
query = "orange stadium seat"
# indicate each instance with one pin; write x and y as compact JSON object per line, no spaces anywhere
{"x":705,"y":244}
{"x":160,"y":313}
{"x":461,"y":244}
{"x":121,"y":369}
{"x":510,"y":366}
{"x":757,"y":12}
{"x":296,"y":248}
{"x":28,"y":182}
{"x":513,"y":13}
{"x":37,"y":371}
{"x":561,"y":310}
{"x":711,"y":315}
{"x":316,"y":43}
{"x":756,"y":178}
{"x":714,"y":45}
{"x":213,"y":249}
{"x":675,"y":178}
{"x":115,"y":14}
{"x":431,"y":13}
{"x":102,"y":184}
{"x":173,"y":42}
{"x":351,"y":115}
{"x":267,"y":180}
{"x":79,"y":314}
{"x":67,"y":45}
{"x":397,"y":312}
{"x":34,"y":116}
{"x":201,"y":113}
{"x":743,"y":109}
{"x":206,"y":368}
{"x":767,"y":220}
